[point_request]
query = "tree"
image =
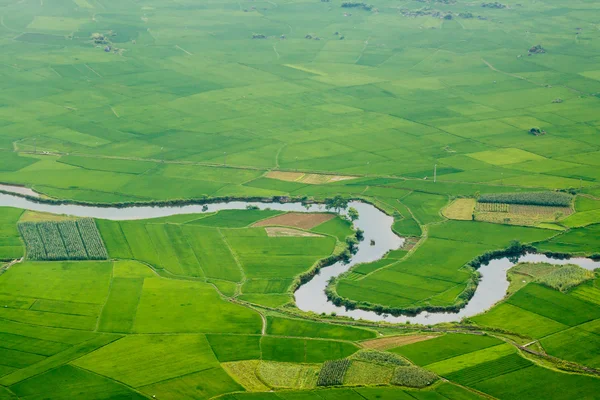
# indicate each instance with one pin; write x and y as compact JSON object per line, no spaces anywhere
{"x":558,"y":215}
{"x":352,"y":214}
{"x":337,"y":203}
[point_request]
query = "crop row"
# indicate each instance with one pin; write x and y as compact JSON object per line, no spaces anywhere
{"x":332,"y":373}
{"x":72,"y":240}
{"x":556,"y":199}
{"x":33,"y":241}
{"x":493,"y":207}
{"x":53,"y":243}
{"x":92,"y":239}
{"x":64,"y":240}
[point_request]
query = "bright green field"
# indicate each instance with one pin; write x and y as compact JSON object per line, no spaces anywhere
{"x":214,"y":98}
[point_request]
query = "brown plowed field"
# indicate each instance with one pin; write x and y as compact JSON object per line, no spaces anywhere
{"x":297,"y":220}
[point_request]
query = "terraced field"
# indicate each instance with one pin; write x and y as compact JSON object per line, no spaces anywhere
{"x":472,"y":125}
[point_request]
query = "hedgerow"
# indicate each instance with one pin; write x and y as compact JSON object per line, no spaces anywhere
{"x":556,"y":199}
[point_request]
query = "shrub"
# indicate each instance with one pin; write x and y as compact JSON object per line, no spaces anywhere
{"x":380,"y":357}
{"x":332,"y":373}
{"x":413,"y":377}
{"x":556,"y":199}
{"x":566,"y":277}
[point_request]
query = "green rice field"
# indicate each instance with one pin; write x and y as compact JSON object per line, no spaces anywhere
{"x":410,"y":106}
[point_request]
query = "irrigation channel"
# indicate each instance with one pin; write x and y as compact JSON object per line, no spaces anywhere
{"x":311,"y":295}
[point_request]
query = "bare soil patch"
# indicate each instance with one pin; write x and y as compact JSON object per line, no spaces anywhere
{"x":275,"y":231}
{"x":297,"y":220}
{"x":394,"y":341}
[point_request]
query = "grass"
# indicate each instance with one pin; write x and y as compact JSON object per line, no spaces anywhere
{"x":538,"y":381}
{"x":444,"y":347}
{"x":290,"y":376}
{"x":245,"y":373}
{"x":143,"y":360}
{"x":365,"y":373}
{"x":489,"y":370}
{"x":291,"y":327}
{"x":460,"y":209}
{"x":552,"y":304}
{"x":229,"y":348}
{"x":222,"y":114}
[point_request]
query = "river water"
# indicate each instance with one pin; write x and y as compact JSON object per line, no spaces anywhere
{"x":377,"y":226}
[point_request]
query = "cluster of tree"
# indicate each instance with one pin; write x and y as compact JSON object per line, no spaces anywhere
{"x":438,"y":1}
{"x":311,"y":37}
{"x":537,"y":49}
{"x":536,"y":131}
{"x":494,"y":4}
{"x":352,"y":4}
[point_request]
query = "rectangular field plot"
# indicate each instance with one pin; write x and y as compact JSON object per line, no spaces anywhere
{"x":490,"y":369}
{"x":575,"y":345}
{"x":293,"y":327}
{"x":142,"y":360}
{"x":518,"y":320}
{"x":444,"y":347}
{"x":304,"y":350}
{"x":555,"y":305}
{"x":71,"y":382}
{"x":540,"y":383}
{"x":63,"y":240}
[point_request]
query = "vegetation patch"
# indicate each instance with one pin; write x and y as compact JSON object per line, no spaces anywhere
{"x":554,"y":199}
{"x":332,"y":373}
{"x":415,"y":377}
{"x":380,"y":357}
{"x":366,"y":373}
{"x":460,"y":209}
{"x":566,"y":277}
{"x":63,"y":240}
{"x":310,"y":179}
{"x":287,"y":375}
{"x":244,"y":373}
{"x":391,"y":342}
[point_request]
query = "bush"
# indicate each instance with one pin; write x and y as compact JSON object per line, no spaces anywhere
{"x":380,"y":357}
{"x":413,"y":377}
{"x":555,"y":199}
{"x":332,"y":373}
{"x":566,"y":277}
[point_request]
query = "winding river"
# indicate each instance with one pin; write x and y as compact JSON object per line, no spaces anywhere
{"x":376,"y":225}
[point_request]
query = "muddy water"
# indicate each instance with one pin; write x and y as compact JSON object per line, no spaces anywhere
{"x":311,"y":296}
